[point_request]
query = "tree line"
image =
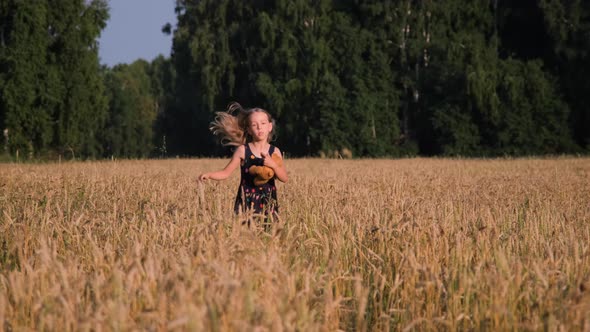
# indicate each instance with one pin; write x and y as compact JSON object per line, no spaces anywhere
{"x":375,"y":78}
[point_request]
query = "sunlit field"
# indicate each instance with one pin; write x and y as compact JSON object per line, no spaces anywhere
{"x":365,"y":245}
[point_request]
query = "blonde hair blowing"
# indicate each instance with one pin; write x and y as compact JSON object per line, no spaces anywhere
{"x":233,"y":129}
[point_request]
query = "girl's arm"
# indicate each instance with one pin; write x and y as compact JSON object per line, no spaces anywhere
{"x":280,"y":171}
{"x":229,"y":168}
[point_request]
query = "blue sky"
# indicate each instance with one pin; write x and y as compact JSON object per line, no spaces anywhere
{"x":134,"y":31}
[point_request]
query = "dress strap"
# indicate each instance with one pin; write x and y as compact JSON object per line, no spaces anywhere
{"x":271,"y":150}
{"x":248,"y":152}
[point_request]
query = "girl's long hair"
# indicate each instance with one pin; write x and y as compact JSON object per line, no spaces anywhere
{"x":233,"y":129}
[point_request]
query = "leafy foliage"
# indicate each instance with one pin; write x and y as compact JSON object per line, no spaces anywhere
{"x":50,"y":81}
{"x":133,"y":111}
{"x":372,"y":78}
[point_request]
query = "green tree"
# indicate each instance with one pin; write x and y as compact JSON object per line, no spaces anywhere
{"x":384,"y":78}
{"x":555,"y":32}
{"x":568,"y":28}
{"x":51,"y":87}
{"x":473,"y":101}
{"x":132,"y":111}
{"x":26,"y":94}
{"x":314,"y":66}
{"x":162,"y":76}
{"x":534,"y":117}
{"x":80,"y":115}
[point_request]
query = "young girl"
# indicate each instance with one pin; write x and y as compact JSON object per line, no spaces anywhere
{"x":251,"y":132}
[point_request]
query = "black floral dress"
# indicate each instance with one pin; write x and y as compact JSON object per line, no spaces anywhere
{"x":251,"y":198}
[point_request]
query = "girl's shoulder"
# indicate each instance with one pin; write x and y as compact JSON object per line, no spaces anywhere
{"x":240,"y":152}
{"x":275,"y":149}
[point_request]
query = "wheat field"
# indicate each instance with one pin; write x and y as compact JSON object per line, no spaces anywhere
{"x":362,"y":245}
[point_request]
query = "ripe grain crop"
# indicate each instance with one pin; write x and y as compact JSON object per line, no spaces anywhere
{"x":410,"y":244}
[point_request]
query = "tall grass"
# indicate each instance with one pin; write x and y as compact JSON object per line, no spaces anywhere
{"x":415,"y":244}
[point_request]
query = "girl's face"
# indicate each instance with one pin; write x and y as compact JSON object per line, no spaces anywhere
{"x":259,"y":126}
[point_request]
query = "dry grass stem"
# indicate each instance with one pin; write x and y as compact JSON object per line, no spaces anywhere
{"x":365,"y":245}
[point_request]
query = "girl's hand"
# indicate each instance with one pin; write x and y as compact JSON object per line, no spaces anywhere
{"x":204,"y":177}
{"x":268,"y":161}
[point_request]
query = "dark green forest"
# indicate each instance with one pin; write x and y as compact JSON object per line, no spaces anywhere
{"x":378,"y":78}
